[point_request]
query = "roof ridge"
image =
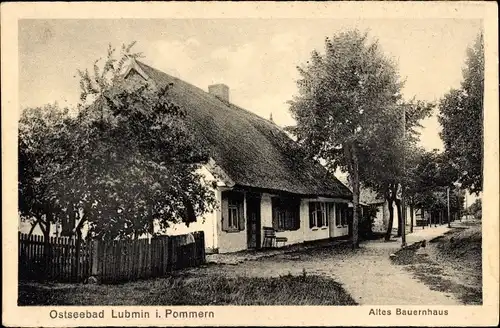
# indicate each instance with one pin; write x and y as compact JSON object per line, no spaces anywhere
{"x":227,"y":103}
{"x":273,"y":164}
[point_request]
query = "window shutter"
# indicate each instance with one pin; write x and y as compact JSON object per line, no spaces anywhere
{"x":225,"y":214}
{"x":340,"y":215}
{"x":311,"y":211}
{"x":275,"y":218}
{"x":329,"y":209}
{"x":274,"y":205}
{"x":241,"y":222}
{"x":296,"y":215}
{"x":288,"y":219}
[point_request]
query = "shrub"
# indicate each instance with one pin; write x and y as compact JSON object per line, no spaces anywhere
{"x":366,"y":222}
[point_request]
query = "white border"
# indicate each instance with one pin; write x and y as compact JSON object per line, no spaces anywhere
{"x":253,"y":315}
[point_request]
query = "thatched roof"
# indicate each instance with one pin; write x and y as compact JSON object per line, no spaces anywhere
{"x":251,"y":150}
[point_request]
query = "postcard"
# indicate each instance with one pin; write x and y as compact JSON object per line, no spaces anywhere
{"x":250,"y":164}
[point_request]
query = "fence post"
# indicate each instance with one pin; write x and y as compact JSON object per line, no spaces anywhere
{"x":77,"y":256}
{"x":202,"y":245}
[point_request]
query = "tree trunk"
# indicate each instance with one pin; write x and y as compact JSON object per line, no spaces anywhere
{"x":352,"y":165}
{"x":33,"y":226}
{"x":69,"y":222}
{"x":411,"y":217}
{"x":152,"y":228}
{"x":355,"y":200}
{"x":391,"y":219}
{"x":79,"y":227}
{"x":400,"y":217}
{"x":46,"y":245}
{"x":78,"y":246}
{"x":459,"y":208}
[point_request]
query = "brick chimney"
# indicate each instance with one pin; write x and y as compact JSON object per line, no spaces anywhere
{"x":219,"y":90}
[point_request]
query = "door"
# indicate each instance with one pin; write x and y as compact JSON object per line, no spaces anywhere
{"x":253,"y":221}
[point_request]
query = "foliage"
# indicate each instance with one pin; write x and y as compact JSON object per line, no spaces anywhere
{"x":93,"y":85}
{"x":43,"y":145}
{"x":388,"y":158}
{"x":433,"y":172}
{"x":366,"y":222}
{"x":345,"y":96}
{"x":124,"y":162}
{"x":475,"y":209}
{"x":461,"y":116}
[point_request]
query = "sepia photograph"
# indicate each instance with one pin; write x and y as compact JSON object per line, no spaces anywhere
{"x":250,"y":161}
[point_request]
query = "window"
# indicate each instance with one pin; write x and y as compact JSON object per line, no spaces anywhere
{"x":232,"y":212}
{"x":233,"y":218}
{"x":341,"y":214}
{"x":319,"y":212}
{"x":286,"y":214}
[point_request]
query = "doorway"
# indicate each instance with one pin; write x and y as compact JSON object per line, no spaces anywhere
{"x":253,"y":221}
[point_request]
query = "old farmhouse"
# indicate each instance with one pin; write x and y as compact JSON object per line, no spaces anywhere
{"x":261,"y":179}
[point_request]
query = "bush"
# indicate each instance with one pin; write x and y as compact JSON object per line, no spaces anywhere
{"x":365,"y":229}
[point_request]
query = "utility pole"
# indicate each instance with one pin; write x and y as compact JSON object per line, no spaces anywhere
{"x":448,"y":203}
{"x":459,"y":197}
{"x":466,"y":210}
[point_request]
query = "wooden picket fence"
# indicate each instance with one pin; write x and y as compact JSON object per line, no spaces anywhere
{"x":115,"y":261}
{"x":58,"y":259}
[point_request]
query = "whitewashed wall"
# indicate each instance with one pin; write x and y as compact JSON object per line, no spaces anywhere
{"x":266,"y":212}
{"x":55,"y":229}
{"x":207,"y":223}
{"x":304,"y":233}
{"x":382,"y":218}
{"x":232,"y":241}
{"x":311,"y":233}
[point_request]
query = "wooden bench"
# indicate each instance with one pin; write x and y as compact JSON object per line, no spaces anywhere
{"x":270,"y":239}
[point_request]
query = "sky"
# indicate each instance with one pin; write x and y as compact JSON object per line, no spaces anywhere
{"x":256,"y":58}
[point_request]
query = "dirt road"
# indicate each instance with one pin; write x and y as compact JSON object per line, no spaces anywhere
{"x":367,"y":273}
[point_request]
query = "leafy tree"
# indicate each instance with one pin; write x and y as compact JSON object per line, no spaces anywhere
{"x":432,"y":174}
{"x":461,"y":116}
{"x":412,"y":180}
{"x":42,"y":146}
{"x":475,"y":209}
{"x":127,"y":159}
{"x":388,"y":157}
{"x":345,"y":96}
{"x":143,"y":165}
